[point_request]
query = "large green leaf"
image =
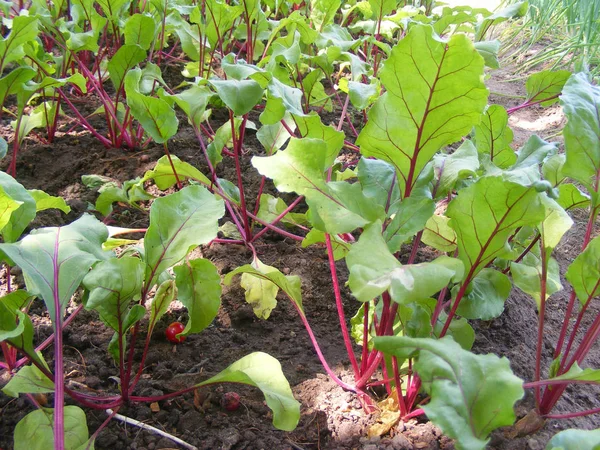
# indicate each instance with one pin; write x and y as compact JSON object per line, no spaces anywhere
{"x":471,"y":395}
{"x":125,"y":59}
{"x":199,"y":287}
{"x":485,"y":296}
{"x":264,"y":372}
{"x":219,"y":19}
{"x":544,"y":87}
{"x":55,"y":260}
{"x":35,"y":431}
{"x":24,"y":29}
{"x":239,"y":95}
{"x":262,"y":283}
{"x":25,"y":213}
{"x":581,"y":103}
{"x":7,"y":207}
{"x":14,"y":81}
{"x":112,"y":285}
{"x":322,"y":12}
{"x":373,"y":270}
{"x":178,"y":222}
{"x":435,"y":95}
{"x":575,"y":440}
{"x":485,"y":214}
{"x":155,"y":114}
{"x":336,"y":207}
{"x":139,"y":30}
{"x":584,"y":272}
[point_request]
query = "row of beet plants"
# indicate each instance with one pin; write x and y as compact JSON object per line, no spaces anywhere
{"x":406,"y":83}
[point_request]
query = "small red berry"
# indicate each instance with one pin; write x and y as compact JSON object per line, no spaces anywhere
{"x":173,"y":330}
{"x":230,"y":401}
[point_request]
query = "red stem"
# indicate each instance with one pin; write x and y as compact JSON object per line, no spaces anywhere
{"x":340,"y":307}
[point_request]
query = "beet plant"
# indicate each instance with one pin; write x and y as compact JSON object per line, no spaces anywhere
{"x":56,"y":261}
{"x":414,"y":185}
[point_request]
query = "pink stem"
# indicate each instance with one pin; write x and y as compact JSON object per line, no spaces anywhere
{"x":340,"y":307}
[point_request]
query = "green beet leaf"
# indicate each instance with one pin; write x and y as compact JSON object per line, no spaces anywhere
{"x":178,"y":222}
{"x":112,"y":285}
{"x":7,"y":207}
{"x":24,"y":29}
{"x":493,"y":137}
{"x":322,"y":12}
{"x":485,"y":296}
{"x":15,"y":325}
{"x":514,"y":10}
{"x":262,"y":283}
{"x":373,"y":270}
{"x":165,"y":294}
{"x":485,"y":214}
{"x":21,"y":216}
{"x":576,"y":373}
{"x":163,"y":176}
{"x":584,"y":272}
{"x":219,"y":19}
{"x":14,"y":81}
{"x":264,"y":372}
{"x":527,"y":276}
{"x":471,"y":395}
{"x":545,"y":87}
{"x":45,"y":201}
{"x":311,"y":126}
{"x":29,"y":380}
{"x":140,"y":30}
{"x":489,"y":51}
{"x":63,"y":254}
{"x":199,"y":287}
{"x":581,"y":104}
{"x":431,"y":101}
{"x":125,"y":59}
{"x":35,"y":430}
{"x":575,"y":440}
{"x":339,"y":246}
{"x":410,"y":218}
{"x":379,"y":182}
{"x":438,"y":234}
{"x":156,"y":115}
{"x":239,"y":95}
{"x":570,"y":197}
{"x":271,"y":207}
{"x":450,"y":169}
{"x":336,"y":207}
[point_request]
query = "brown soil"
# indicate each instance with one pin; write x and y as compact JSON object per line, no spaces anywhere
{"x":331,"y":418}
